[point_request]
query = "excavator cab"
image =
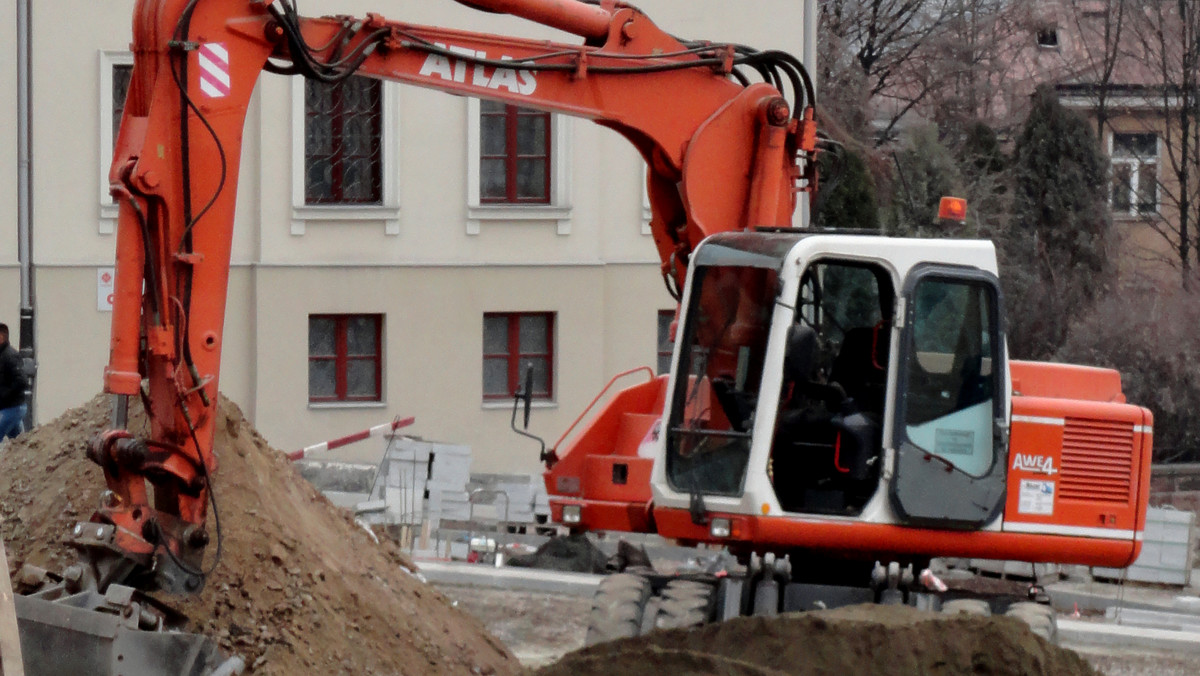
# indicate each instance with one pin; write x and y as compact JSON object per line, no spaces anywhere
{"x":835,"y":375}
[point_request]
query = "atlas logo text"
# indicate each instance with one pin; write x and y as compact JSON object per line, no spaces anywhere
{"x":517,"y":81}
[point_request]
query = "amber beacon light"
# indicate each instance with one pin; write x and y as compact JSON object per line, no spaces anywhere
{"x":952,"y":209}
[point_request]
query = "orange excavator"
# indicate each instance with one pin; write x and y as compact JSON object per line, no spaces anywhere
{"x":727,"y":153}
{"x":841,"y":406}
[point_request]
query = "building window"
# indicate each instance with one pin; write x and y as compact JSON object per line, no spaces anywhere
{"x":345,"y":358}
{"x":1048,"y":37}
{"x":121,"y":74}
{"x":518,"y":166}
{"x":116,"y":71}
{"x":665,"y":343}
{"x":514,"y":155}
{"x":1134,"y":173}
{"x":513,"y":342}
{"x":343,"y":138}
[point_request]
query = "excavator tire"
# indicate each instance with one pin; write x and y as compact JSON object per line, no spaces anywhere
{"x":684,"y":604}
{"x":650,"y":615}
{"x":617,"y":608}
{"x":967,"y":607}
{"x":765,"y":602}
{"x":1041,"y":618}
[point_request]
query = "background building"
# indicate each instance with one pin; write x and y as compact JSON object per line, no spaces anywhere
{"x":390,"y":258}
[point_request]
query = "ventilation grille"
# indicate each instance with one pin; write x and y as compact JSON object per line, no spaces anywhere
{"x":1097,"y":461}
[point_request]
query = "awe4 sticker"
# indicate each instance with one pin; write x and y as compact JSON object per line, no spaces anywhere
{"x":1036,"y":497}
{"x":1038,"y":464}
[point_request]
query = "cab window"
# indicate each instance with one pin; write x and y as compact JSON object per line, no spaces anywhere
{"x":951,"y":382}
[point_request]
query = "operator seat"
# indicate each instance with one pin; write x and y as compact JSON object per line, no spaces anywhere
{"x":861,"y":366}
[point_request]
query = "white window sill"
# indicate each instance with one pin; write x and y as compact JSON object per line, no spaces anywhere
{"x":498,"y":405}
{"x":518,"y":213}
{"x":1134,"y":216}
{"x":387,"y":214}
{"x":334,"y":405}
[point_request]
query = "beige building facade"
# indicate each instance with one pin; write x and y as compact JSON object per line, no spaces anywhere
{"x":430,"y":259}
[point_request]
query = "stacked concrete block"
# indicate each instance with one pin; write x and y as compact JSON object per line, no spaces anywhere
{"x":1168,"y":550}
{"x":519,"y":492}
{"x":419,"y":481}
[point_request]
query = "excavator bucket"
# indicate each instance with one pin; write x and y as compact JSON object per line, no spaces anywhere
{"x":121,"y":631}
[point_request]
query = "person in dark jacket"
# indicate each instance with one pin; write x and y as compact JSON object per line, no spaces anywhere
{"x":12,"y":388}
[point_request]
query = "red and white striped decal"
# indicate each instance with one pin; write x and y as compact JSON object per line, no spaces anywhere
{"x":351,"y":438}
{"x":214,"y":69}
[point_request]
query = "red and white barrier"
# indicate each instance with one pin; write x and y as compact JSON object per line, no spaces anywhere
{"x":375,"y":431}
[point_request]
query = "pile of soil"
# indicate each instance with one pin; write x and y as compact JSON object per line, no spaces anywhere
{"x":855,"y":640}
{"x":300,"y":589}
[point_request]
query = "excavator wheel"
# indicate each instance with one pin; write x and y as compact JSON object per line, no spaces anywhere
{"x":650,"y":615}
{"x":617,"y":608}
{"x":765,"y":602}
{"x":967,"y":607}
{"x":684,"y":604}
{"x":1041,"y":618}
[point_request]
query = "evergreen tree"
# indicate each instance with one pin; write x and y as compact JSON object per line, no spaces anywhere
{"x":846,"y":198}
{"x":1055,"y":249}
{"x":926,"y":171}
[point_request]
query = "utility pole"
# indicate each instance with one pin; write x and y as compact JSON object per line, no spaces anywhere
{"x":25,"y":197}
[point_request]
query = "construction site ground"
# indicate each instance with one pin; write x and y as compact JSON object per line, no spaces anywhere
{"x":301,"y":588}
{"x":541,"y":627}
{"x":542,"y":615}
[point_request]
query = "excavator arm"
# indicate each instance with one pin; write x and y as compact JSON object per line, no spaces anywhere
{"x":724,"y":147}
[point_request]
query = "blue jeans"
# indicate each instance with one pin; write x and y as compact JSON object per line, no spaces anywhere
{"x":10,"y":421}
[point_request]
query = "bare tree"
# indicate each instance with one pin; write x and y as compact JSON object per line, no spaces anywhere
{"x":1166,"y":37}
{"x":872,"y":46}
{"x":1100,"y":27}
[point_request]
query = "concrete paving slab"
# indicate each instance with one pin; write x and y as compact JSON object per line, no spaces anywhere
{"x":526,"y":579}
{"x":1155,"y":619}
{"x":1066,"y":595}
{"x":1085,"y":633}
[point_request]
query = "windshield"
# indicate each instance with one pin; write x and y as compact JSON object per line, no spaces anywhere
{"x":720,"y":370}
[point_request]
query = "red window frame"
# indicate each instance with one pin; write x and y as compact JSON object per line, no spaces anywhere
{"x":514,"y":357}
{"x":339,"y":157}
{"x":512,"y":153}
{"x":341,"y":358}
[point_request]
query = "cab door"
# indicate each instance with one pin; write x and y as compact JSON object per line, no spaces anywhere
{"x":950,"y":431}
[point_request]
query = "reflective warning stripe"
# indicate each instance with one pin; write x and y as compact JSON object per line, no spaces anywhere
{"x":214,"y":70}
{"x":1038,"y":420}
{"x":1072,"y":531}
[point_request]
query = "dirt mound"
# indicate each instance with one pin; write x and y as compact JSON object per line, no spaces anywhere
{"x":856,"y":640}
{"x":300,"y":588}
